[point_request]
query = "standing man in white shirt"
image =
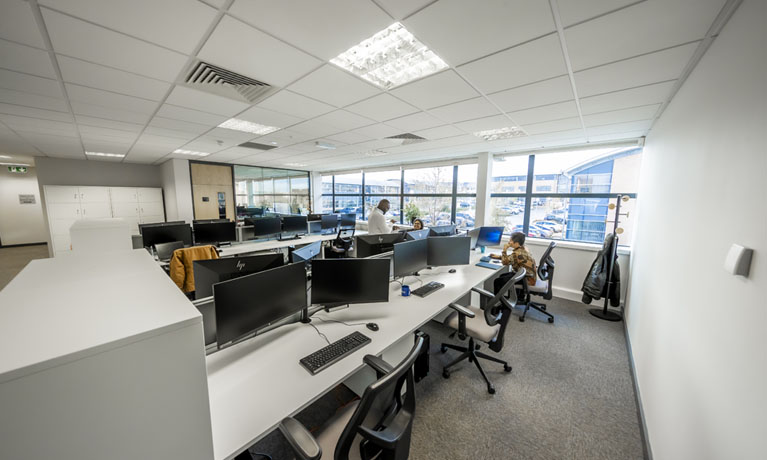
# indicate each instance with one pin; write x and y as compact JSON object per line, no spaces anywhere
{"x":376,"y":220}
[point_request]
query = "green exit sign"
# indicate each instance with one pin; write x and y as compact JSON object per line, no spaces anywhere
{"x":17,"y":169}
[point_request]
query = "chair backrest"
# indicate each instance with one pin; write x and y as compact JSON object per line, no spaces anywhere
{"x":498,"y":310}
{"x":546,"y":269}
{"x":165,"y":250}
{"x":384,"y":417}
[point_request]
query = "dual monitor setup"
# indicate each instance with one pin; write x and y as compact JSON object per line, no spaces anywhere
{"x":213,"y":231}
{"x":286,"y":227}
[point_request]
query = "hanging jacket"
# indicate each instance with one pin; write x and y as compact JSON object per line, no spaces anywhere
{"x":595,"y":284}
{"x":181,"y":264}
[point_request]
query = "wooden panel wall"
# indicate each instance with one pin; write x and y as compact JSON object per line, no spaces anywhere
{"x":207,"y":181}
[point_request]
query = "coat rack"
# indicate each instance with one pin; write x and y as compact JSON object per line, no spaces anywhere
{"x":604,"y":313}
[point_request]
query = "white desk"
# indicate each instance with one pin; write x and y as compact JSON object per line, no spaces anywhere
{"x":253,"y":385}
{"x":268,"y":245}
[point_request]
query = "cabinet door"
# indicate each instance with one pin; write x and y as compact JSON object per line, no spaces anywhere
{"x":60,"y":227}
{"x":151,"y":209}
{"x":94,"y":194}
{"x":124,"y":194}
{"x":64,"y":211}
{"x":61,"y":194}
{"x":127,"y":210}
{"x":96,"y":210}
{"x":61,"y":243}
{"x":148,"y":195}
{"x":150,"y":219}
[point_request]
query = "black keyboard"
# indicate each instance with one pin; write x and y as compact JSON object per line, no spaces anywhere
{"x":324,"y":357}
{"x":428,"y":288}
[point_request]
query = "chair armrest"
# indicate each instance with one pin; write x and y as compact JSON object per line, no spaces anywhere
{"x":462,"y":310}
{"x":300,"y":439}
{"x":483,"y":292}
{"x":379,"y":365}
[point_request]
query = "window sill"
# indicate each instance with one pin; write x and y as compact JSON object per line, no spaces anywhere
{"x":590,"y":247}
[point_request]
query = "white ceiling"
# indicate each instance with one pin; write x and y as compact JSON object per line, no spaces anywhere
{"x":101,"y":75}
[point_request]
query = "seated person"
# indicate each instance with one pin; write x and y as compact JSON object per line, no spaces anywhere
{"x":417,"y":224}
{"x":376,"y":220}
{"x":520,"y":257}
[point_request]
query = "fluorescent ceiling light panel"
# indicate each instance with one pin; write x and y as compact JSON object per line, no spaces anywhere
{"x":247,"y":126}
{"x":103,"y":154}
{"x":299,"y":165}
{"x":14,"y":164}
{"x":191,"y":152}
{"x":390,"y":58}
{"x":324,"y":145}
{"x":376,"y":153}
{"x":500,"y":133}
{"x":5,"y":156}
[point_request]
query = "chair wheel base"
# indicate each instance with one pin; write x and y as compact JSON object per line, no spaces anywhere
{"x":446,"y":374}
{"x":551,"y":320}
{"x":506,"y":368}
{"x":491,"y":390}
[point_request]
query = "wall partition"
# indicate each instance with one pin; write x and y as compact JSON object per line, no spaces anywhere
{"x":259,"y":190}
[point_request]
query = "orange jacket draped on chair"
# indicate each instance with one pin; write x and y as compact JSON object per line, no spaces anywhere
{"x":181,"y":264}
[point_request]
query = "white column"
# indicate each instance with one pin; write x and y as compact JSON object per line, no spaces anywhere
{"x":484,"y":180}
{"x":316,"y":179}
{"x":177,"y":187}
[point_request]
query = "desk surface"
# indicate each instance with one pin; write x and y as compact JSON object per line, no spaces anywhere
{"x":253,"y":385}
{"x":255,"y":245}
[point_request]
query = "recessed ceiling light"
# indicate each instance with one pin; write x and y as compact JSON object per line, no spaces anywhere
{"x":295,"y":164}
{"x":500,"y":133}
{"x":324,"y":145}
{"x":273,"y":143}
{"x":14,"y":164}
{"x":247,"y":126}
{"x":191,"y":152}
{"x":5,"y":156}
{"x":103,"y":154}
{"x":376,"y":153}
{"x":390,"y":58}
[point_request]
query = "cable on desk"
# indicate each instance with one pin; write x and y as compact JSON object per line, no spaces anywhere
{"x":320,"y":333}
{"x":336,"y":321}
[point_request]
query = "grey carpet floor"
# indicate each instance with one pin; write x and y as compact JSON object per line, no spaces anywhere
{"x":14,"y":259}
{"x":569,"y":396}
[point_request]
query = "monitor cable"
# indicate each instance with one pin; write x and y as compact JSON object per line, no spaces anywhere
{"x":320,"y":333}
{"x":325,"y":320}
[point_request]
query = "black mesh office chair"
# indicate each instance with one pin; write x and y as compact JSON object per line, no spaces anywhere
{"x":542,"y":286}
{"x":486,"y":324}
{"x":342,"y":246}
{"x":378,"y":426}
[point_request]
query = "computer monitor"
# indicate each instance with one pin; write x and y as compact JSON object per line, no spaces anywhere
{"x":417,"y":234}
{"x":348,"y":220}
{"x":371,"y":245}
{"x":329,"y":222}
{"x":141,"y":226}
{"x":265,"y":226}
{"x":208,"y":311}
{"x":208,"y":221}
{"x":214,"y":232}
{"x":489,"y":236}
{"x":445,"y":250}
{"x":209,"y":272}
{"x":306,"y":253}
{"x":155,"y":234}
{"x":314,"y":217}
{"x":250,"y":212}
{"x":165,"y":251}
{"x":346,"y":281}
{"x":442,"y":230}
{"x":409,"y":257}
{"x":247,"y":304}
{"x":295,"y":225}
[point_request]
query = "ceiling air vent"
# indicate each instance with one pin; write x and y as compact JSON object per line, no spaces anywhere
{"x":408,"y":138}
{"x":257,"y":146}
{"x":213,"y":79}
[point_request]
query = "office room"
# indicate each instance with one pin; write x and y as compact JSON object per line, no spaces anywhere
{"x":383,"y":229}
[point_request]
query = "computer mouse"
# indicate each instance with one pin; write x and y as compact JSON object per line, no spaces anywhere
{"x":372,"y":326}
{"x":496,"y":261}
{"x":452,"y":270}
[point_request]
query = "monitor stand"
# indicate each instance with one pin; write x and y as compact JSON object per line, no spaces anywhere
{"x":294,"y":237}
{"x":330,"y":307}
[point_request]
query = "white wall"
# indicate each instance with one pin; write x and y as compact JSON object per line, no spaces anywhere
{"x":699,"y":335}
{"x":20,"y":223}
{"x":177,"y":188}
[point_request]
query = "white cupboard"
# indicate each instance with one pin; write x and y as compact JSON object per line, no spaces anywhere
{"x":66,"y":204}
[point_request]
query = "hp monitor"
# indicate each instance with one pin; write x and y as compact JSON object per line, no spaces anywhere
{"x":214,"y":232}
{"x":209,"y":272}
{"x":295,"y":225}
{"x":247,"y":304}
{"x":417,"y":234}
{"x":155,"y":234}
{"x":442,"y":230}
{"x":447,"y":250}
{"x":141,"y":226}
{"x":265,"y":226}
{"x":409,"y":257}
{"x":346,"y":281}
{"x":306,"y":253}
{"x":371,"y":245}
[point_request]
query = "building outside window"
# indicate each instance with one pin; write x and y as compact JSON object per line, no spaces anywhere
{"x":259,"y":190}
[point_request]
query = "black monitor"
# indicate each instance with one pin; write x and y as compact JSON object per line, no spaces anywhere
{"x":343,"y":281}
{"x":372,"y":245}
{"x":252,"y":302}
{"x":214,"y":232}
{"x":442,"y":230}
{"x":445,"y":250}
{"x":250,"y":212}
{"x":306,"y":253}
{"x":489,"y":236}
{"x":314,"y":217}
{"x":209,"y":272}
{"x":417,"y":234}
{"x":142,"y":226}
{"x":348,"y":220}
{"x":409,"y":257}
{"x":155,"y":234}
{"x":207,"y":221}
{"x":330,"y":221}
{"x":265,"y":226}
{"x":296,"y":225}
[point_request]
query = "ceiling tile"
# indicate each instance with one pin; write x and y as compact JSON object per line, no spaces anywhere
{"x":56,"y":146}
{"x":382,"y":107}
{"x":190,"y":115}
{"x":643,"y":70}
{"x":349,"y":137}
{"x":108,"y":79}
{"x":95,"y":132}
{"x":400,"y":9}
{"x":646,"y":112}
{"x":436,"y":90}
{"x":545,"y":113}
{"x":306,"y":24}
{"x":179,"y":125}
{"x":294,"y":104}
{"x":439,"y":132}
{"x":493,"y":24}
{"x":269,"y":117}
{"x":334,"y":86}
{"x":243,"y":49}
{"x":26,"y":59}
{"x":415,"y":122}
{"x":58,"y":128}
{"x":98,"y":111}
{"x":18,"y":24}
{"x":99,"y":145}
{"x":90,"y":121}
{"x":553,"y":126}
{"x":378,"y":131}
{"x":32,"y":112}
{"x":623,"y":135}
{"x":317,"y":129}
{"x":542,"y":93}
{"x":629,"y":127}
{"x":633,"y":97}
{"x":109,"y":99}
{"x":30,"y":84}
{"x":205,"y":102}
{"x":344,"y":120}
{"x":571,"y":12}
{"x":156,"y":22}
{"x":230,"y":134}
{"x":467,"y":110}
{"x":641,"y":28}
{"x":523,"y":64}
{"x":285,"y":137}
{"x":95,"y":44}
{"x":482,"y":124}
{"x":159,"y":142}
{"x":170,"y":133}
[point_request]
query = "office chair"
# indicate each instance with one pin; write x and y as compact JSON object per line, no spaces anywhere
{"x":341,"y":246}
{"x":542,"y":286}
{"x":378,"y":426}
{"x":164,"y":251}
{"x":486,"y":324}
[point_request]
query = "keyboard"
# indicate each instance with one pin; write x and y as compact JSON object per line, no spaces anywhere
{"x":324,"y":357}
{"x":428,"y":288}
{"x":485,"y":259}
{"x":489,"y":265}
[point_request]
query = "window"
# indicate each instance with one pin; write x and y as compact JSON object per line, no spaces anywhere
{"x":509,"y":175}
{"x":508,"y":212}
{"x":348,"y":184}
{"x":383,"y":183}
{"x":431,"y":210}
{"x":467,"y":179}
{"x":429,"y":180}
{"x":275,"y":190}
{"x":371,"y":201}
